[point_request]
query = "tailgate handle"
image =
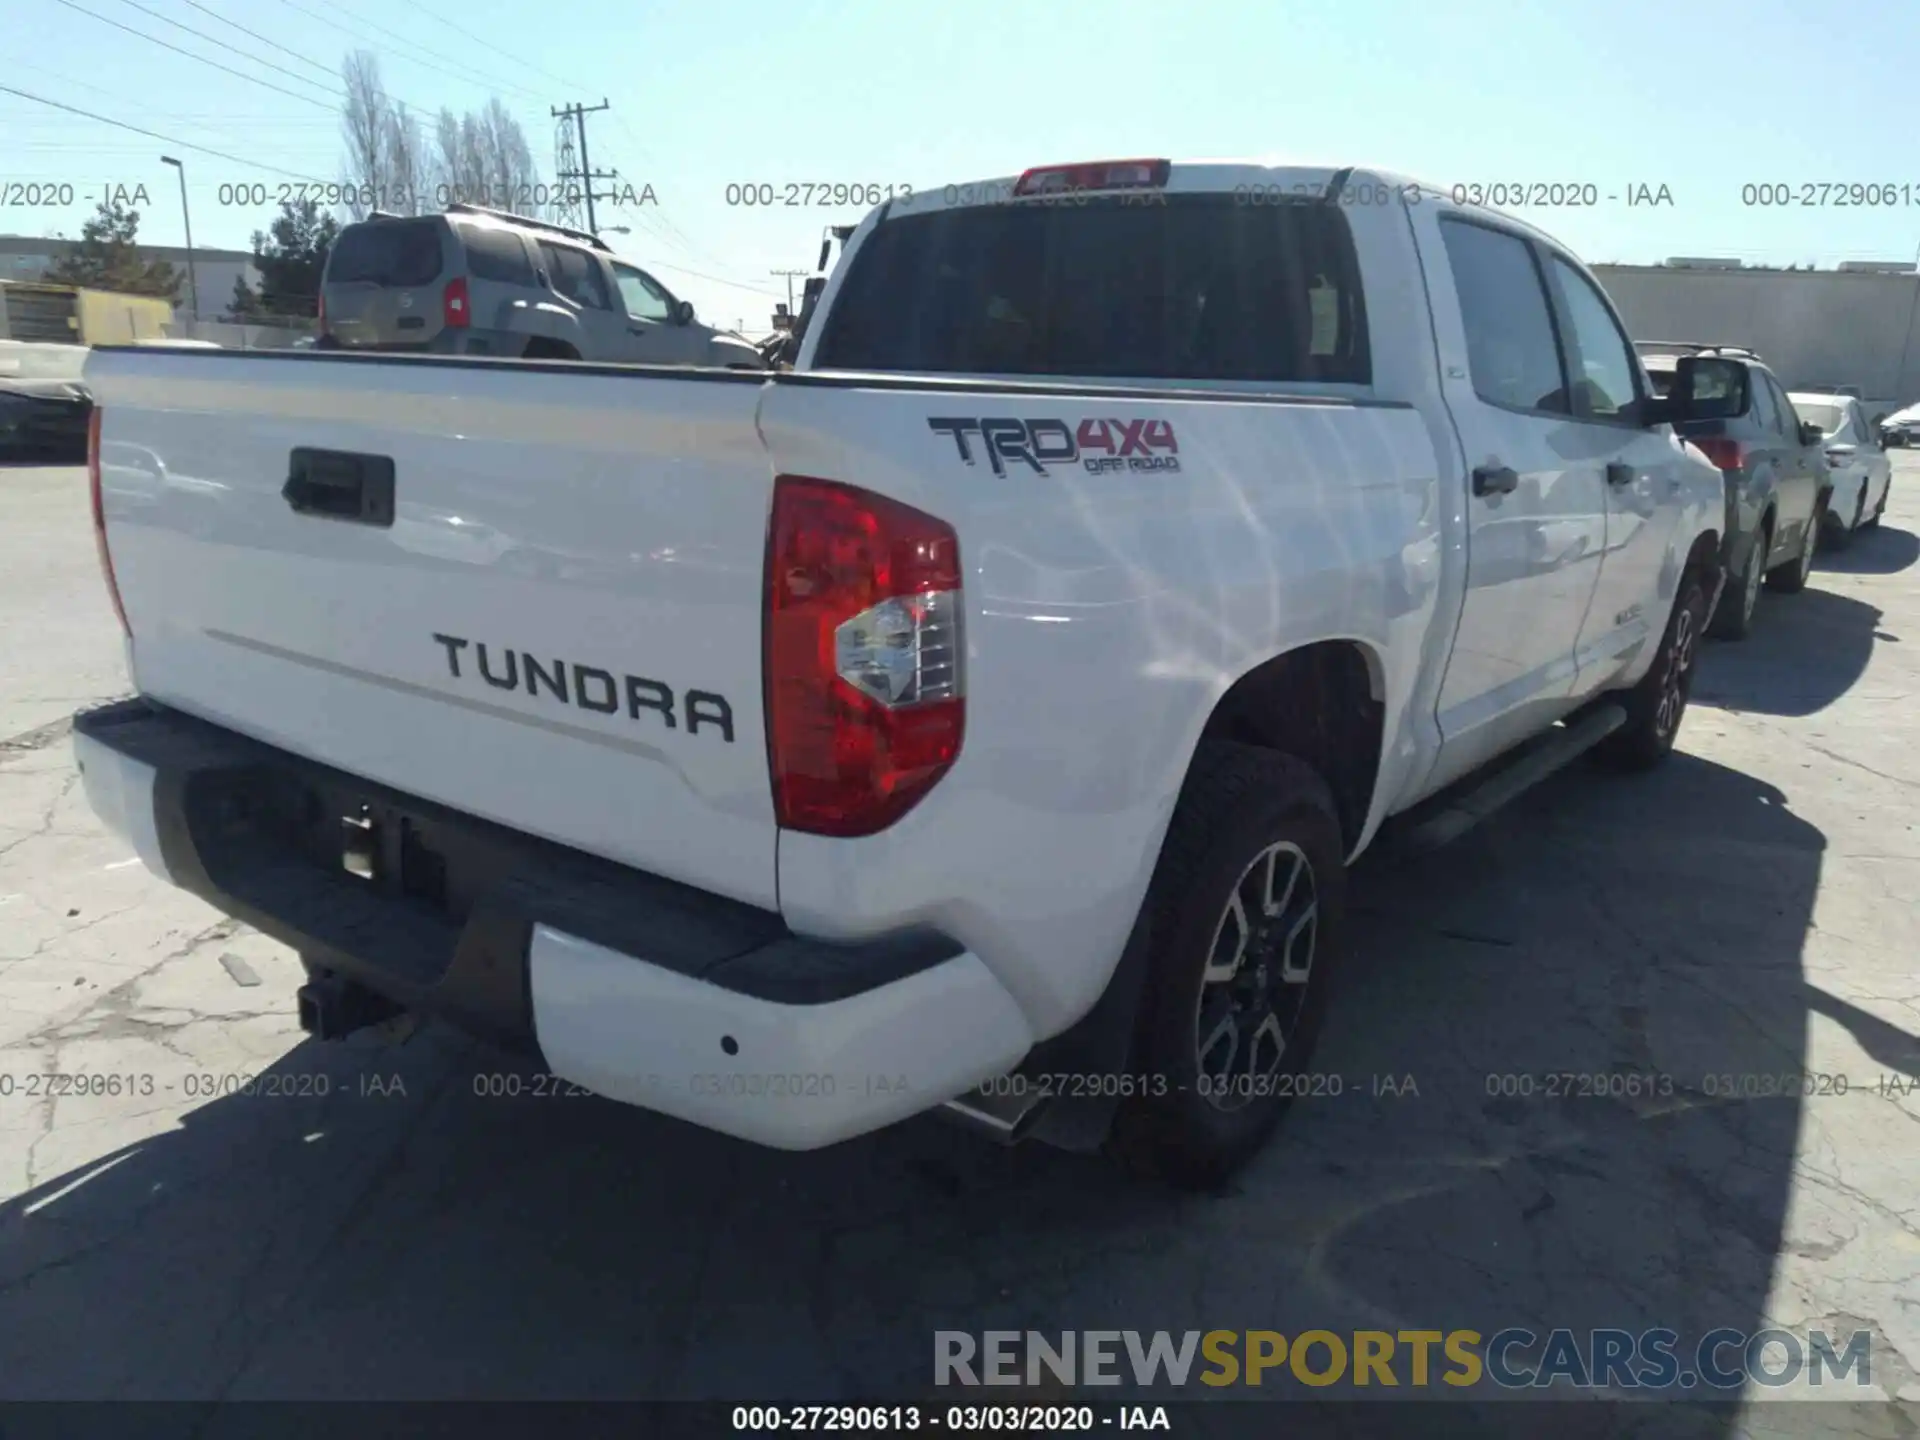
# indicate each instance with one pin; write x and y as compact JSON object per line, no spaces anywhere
{"x":340,"y":486}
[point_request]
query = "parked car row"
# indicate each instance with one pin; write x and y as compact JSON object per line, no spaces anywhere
{"x":1798,"y":466}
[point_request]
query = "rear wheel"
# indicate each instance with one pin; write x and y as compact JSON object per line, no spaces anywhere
{"x":1245,"y":913}
{"x":1658,"y":703}
{"x":1791,"y":578}
{"x":1733,"y":619}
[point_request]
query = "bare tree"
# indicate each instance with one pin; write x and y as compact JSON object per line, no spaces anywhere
{"x":388,"y":166}
{"x":484,"y":158}
{"x":409,"y":162}
{"x":363,"y":127}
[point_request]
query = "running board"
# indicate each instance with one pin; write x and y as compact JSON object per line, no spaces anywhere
{"x":1551,"y":753}
{"x":1005,"y":1119}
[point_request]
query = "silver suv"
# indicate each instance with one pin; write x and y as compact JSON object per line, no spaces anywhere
{"x":483,"y":282}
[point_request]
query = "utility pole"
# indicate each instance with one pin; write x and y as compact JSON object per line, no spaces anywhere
{"x":586,"y":174}
{"x":789,"y":274}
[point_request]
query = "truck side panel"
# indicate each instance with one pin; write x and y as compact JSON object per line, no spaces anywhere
{"x":1108,"y":610}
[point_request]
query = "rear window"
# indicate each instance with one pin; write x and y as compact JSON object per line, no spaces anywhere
{"x":387,"y":252}
{"x":495,"y":254}
{"x":1188,"y":287}
{"x":1828,"y":417}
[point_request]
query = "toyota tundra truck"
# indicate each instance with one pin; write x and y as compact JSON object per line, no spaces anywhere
{"x":982,"y":715}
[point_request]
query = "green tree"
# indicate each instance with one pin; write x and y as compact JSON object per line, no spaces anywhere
{"x":290,"y":258}
{"x":107,"y":257}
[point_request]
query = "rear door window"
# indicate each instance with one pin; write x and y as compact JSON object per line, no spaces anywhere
{"x":1187,"y":287}
{"x":496,"y":254}
{"x":400,"y":253}
{"x":1760,"y":405}
{"x":1787,"y":414}
{"x":573,"y":274}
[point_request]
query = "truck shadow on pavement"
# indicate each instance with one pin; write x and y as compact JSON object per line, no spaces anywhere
{"x":1882,"y":550}
{"x":1581,"y":1009}
{"x":1806,"y":651}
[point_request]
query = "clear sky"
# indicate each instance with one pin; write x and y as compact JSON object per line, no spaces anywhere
{"x":1701,"y":96}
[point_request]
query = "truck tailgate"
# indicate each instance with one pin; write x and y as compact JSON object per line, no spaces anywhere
{"x":531,"y":593}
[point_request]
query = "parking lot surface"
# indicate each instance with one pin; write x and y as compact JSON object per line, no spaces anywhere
{"x":369,"y":1223}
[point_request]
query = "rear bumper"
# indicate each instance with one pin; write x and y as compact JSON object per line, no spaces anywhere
{"x":638,"y":988}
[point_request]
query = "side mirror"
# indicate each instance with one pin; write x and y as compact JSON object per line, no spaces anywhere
{"x":1810,"y":433}
{"x":683,"y":312}
{"x":1708,"y":387}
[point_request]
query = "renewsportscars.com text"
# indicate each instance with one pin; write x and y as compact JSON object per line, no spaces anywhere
{"x":1512,"y":1358}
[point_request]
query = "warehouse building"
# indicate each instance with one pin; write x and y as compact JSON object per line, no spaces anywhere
{"x":1850,"y":326}
{"x":29,"y":257}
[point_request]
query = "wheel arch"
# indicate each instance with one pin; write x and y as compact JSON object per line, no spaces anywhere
{"x":1325,"y":703}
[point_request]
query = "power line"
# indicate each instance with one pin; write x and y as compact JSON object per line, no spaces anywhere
{"x":166,"y":45}
{"x":683,"y":270}
{"x":202,"y":35}
{"x":472,"y":76}
{"x":156,"y":135}
{"x":462,"y":30}
{"x":328,"y":71}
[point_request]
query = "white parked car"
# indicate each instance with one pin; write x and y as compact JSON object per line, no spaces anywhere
{"x":1902,"y":427}
{"x":1858,"y":461}
{"x":983,"y":714}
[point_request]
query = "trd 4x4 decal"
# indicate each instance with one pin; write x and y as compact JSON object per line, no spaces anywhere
{"x":1099,"y":445}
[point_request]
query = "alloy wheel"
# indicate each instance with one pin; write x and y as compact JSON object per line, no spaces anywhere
{"x":1256,"y":981}
{"x":1679,"y":672}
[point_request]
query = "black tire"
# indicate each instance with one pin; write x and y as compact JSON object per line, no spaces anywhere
{"x":1657,"y":705}
{"x":1733,"y":616}
{"x":1791,"y":578}
{"x":1246,"y":817}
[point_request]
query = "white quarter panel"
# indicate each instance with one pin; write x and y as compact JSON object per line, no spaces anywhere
{"x":1106,"y":614}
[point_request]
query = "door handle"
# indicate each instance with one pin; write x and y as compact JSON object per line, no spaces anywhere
{"x":1619,"y":473}
{"x":337,"y":485}
{"x":1495,"y":480}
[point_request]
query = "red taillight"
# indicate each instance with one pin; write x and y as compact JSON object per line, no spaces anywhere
{"x":1096,"y":175}
{"x":100,"y":518}
{"x":453,"y":304}
{"x":865,"y":701}
{"x":1725,"y":453}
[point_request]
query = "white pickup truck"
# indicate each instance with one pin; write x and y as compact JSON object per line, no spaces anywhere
{"x":982,"y":715}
